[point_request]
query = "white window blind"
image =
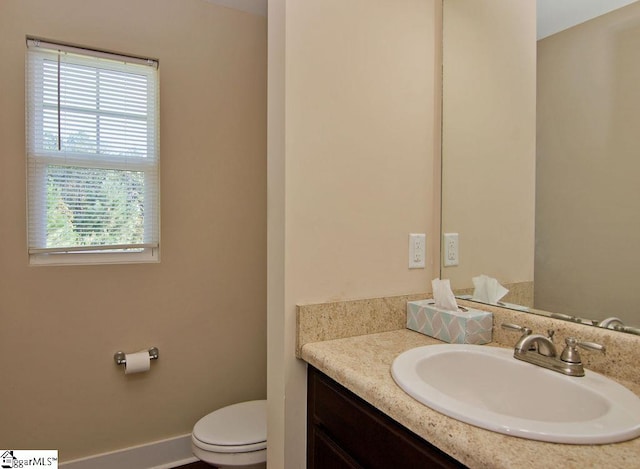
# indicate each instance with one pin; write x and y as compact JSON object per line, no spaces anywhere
{"x":92,"y":151}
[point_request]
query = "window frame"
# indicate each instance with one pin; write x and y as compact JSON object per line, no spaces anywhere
{"x":38,"y":160}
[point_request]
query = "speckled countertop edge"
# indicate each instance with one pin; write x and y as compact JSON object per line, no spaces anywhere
{"x":360,"y":359}
{"x":362,"y":364}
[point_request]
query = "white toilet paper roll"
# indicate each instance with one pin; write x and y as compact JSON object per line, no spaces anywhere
{"x":137,"y":362}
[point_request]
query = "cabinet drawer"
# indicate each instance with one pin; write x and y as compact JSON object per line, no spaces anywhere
{"x":327,"y":454}
{"x":370,"y":438}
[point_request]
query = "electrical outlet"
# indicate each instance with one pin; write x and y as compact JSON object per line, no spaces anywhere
{"x":417,"y":250}
{"x":451,"y":256}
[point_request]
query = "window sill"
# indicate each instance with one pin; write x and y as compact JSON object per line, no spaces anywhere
{"x":149,"y":255}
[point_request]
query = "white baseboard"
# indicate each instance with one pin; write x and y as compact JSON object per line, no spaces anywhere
{"x":163,"y":454}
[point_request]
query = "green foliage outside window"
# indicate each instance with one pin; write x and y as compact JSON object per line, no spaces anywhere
{"x":94,"y":207}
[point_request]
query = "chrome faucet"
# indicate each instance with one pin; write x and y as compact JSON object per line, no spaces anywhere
{"x":536,"y":343}
{"x":617,"y":325}
{"x":541,"y":351}
{"x":612,"y":323}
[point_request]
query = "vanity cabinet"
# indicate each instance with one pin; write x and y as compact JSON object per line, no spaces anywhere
{"x":344,"y":431}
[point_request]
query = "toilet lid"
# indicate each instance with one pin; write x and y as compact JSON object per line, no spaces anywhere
{"x":237,"y":425}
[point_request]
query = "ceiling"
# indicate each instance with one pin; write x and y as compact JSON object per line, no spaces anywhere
{"x":553,"y":15}
{"x":557,"y":15}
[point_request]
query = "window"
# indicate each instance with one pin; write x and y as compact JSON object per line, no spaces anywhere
{"x":92,"y":156}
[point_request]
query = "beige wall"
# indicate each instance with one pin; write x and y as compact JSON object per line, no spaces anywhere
{"x":588,"y":191}
{"x":488,"y":138}
{"x":204,"y":304}
{"x":353,"y":139}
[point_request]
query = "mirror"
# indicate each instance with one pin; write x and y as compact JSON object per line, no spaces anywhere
{"x":541,"y":174}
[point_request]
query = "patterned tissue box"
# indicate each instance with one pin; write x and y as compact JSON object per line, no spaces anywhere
{"x":456,"y":327}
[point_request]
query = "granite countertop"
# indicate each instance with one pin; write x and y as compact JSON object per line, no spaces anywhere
{"x":363,"y":364}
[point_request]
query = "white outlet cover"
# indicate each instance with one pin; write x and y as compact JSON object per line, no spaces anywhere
{"x":417,"y":250}
{"x":451,"y":254}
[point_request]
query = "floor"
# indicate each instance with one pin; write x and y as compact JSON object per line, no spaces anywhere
{"x":197,"y":465}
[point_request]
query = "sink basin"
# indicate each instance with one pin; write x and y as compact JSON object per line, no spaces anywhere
{"x":486,"y":387}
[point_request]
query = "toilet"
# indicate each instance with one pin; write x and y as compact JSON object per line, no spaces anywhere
{"x":234,"y":436}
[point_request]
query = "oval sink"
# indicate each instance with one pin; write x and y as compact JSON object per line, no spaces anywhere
{"x":486,"y":387}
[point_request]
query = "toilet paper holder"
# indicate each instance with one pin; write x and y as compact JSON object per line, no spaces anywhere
{"x":121,"y":359}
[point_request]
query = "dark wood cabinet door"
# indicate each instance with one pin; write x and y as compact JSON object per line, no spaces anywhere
{"x":344,"y":431}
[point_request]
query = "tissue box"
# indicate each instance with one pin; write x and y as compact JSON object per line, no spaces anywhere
{"x":456,"y":327}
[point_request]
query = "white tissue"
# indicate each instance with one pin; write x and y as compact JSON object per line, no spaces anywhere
{"x":443,"y":295}
{"x":137,"y":362}
{"x":487,"y":289}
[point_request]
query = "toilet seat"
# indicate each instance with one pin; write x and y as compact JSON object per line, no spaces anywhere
{"x":229,"y":449}
{"x":238,"y":428}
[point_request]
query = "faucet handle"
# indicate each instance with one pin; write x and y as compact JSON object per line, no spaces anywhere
{"x":570,"y":353}
{"x":515,"y":327}
{"x":525,"y":333}
{"x":592,"y":346}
